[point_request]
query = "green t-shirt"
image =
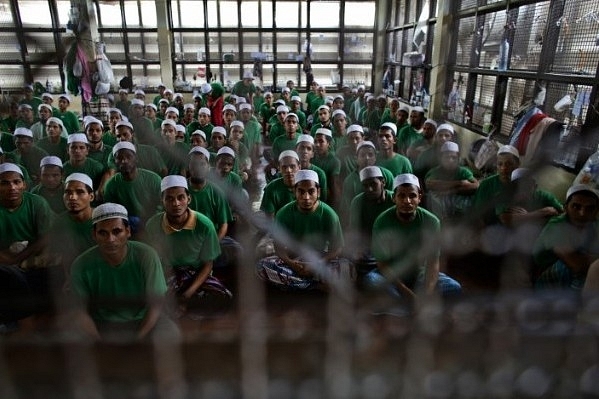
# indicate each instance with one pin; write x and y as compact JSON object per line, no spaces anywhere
{"x":252,"y":135}
{"x":186,"y":247}
{"x":138,"y":277}
{"x":174,"y":156}
{"x":406,"y":247}
{"x":54,"y":198}
{"x":7,"y":142}
{"x":141,"y":196}
{"x":461,"y":173}
{"x":322,"y":180}
{"x":90,"y":167}
{"x":490,"y":191}
{"x":397,"y":164}
{"x":77,"y":234}
{"x":266,"y":112}
{"x":320,"y":229}
{"x":102,"y":155}
{"x":352,"y":186}
{"x":407,"y":136}
{"x":239,"y":89}
{"x":148,"y":158}
{"x":69,"y":120}
{"x":276,"y":195}
{"x":539,"y":199}
{"x":211,"y":202}
{"x":283,"y":143}
{"x":30,"y":160}
{"x":144,"y":131}
{"x":276,"y":129}
{"x":60,"y":149}
{"x":363,"y":213}
{"x":28,"y":222}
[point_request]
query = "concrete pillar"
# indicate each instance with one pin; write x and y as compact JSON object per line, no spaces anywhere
{"x":165,"y":44}
{"x":380,"y":33}
{"x":441,"y":46}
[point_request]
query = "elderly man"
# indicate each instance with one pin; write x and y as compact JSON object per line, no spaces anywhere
{"x":122,"y":279}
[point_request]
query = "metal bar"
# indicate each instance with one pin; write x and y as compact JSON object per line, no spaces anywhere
{"x":60,"y":51}
{"x":125,"y":38}
{"x":18,"y":29}
{"x":141,"y":35}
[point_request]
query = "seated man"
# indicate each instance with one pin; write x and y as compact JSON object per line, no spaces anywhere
{"x":188,"y":245}
{"x":405,"y":243}
{"x":51,"y":186}
{"x":311,"y":222}
{"x":569,"y":243}
{"x":122,"y":271}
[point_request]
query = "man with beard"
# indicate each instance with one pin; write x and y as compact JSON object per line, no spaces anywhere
{"x":39,"y":128}
{"x":279,"y":192}
{"x":144,"y":130}
{"x":79,"y":162}
{"x":405,"y":243}
{"x":138,"y":190}
{"x":412,"y":132}
{"x":98,"y":150}
{"x":54,"y":142}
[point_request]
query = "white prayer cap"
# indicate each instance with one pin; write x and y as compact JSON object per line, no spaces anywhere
{"x":418,"y":109}
{"x":365,"y":144}
{"x":173,"y":181}
{"x":355,"y":128}
{"x":291,"y":115}
{"x":390,"y":125}
{"x":199,"y":133}
{"x":225,"y":151}
{"x":161,"y":85}
{"x":153,"y":106}
{"x":508,"y":149}
{"x":405,"y":178}
{"x":23,"y":131}
{"x":177,"y":95}
{"x":219,"y":129}
{"x":206,"y":88}
{"x":47,"y":95}
{"x":445,"y":126}
{"x":50,"y":160}
{"x":282,"y":108}
{"x":296,"y":98}
{"x":180,"y":128}
{"x":200,"y":150}
{"x":305,"y":138}
{"x":229,"y":107}
{"x":404,"y":108}
{"x":339,"y":112}
{"x":450,"y":146}
{"x":172,"y":109}
{"x":338,"y":97}
{"x":286,"y":90}
{"x":137,"y":102}
{"x":56,"y":120}
{"x":248,"y":75}
{"x":576,"y":189}
{"x":370,"y":172}
{"x":189,"y":106}
{"x":238,"y":124}
{"x":123,"y":91}
{"x":288,"y":153}
{"x":66,"y":97}
{"x":167,"y":91}
{"x":10,"y":167}
{"x":245,"y":106}
{"x":431,"y":122}
{"x":268,"y":94}
{"x":323,"y":131}
{"x":169,"y":122}
{"x":39,"y":108}
{"x":204,"y":110}
{"x":123,"y":145}
{"x":241,"y":100}
{"x":306,"y":174}
{"x":324,"y":107}
{"x":140,"y":92}
{"x":77,"y":138}
{"x":280,"y":102}
{"x":109,"y":210}
{"x":163,"y":100}
{"x":124,"y":123}
{"x":80,"y":177}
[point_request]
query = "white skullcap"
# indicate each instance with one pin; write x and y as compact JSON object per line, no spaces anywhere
{"x":329,"y":99}
{"x":177,"y":95}
{"x":225,"y":151}
{"x":23,"y":131}
{"x":153,"y":106}
{"x":173,"y":181}
{"x":519,"y":173}
{"x":280,"y":102}
{"x":282,"y":108}
{"x":205,"y":110}
{"x":571,"y":191}
{"x":355,"y":128}
{"x":324,"y":107}
{"x":286,"y":90}
{"x":404,"y":108}
{"x":405,"y":178}
{"x":206,"y":88}
{"x":290,"y":154}
{"x":339,"y":112}
{"x":241,"y":100}
{"x":248,"y":75}
{"x":77,"y":138}
{"x":508,"y":149}
{"x":123,"y":145}
{"x":180,"y":128}
{"x":199,"y":133}
{"x":80,"y":177}
{"x":123,"y":91}
{"x":47,"y":95}
{"x":450,"y":146}
{"x":51,"y":160}
{"x":268,"y":94}
{"x":169,"y":122}
{"x":365,"y":144}
{"x":39,"y":108}
{"x":292,"y":115}
{"x":10,"y":167}
{"x":124,"y":123}
{"x":305,"y":138}
{"x":296,"y":98}
{"x":116,"y":110}
{"x":139,"y":91}
{"x":362,"y":87}
{"x":338,"y":97}
{"x":238,"y":124}
{"x":138,"y":102}
{"x":445,"y":126}
{"x":390,"y":125}
{"x":306,"y":174}
{"x":323,"y":131}
{"x":167,"y":91}
{"x":172,"y":109}
{"x":219,"y":129}
{"x":66,"y":97}
{"x":229,"y":107}
{"x":163,"y":100}
{"x":189,"y":106}
{"x":370,"y":172}
{"x":161,"y":85}
{"x":245,"y":106}
{"x":109,"y":210}
{"x":56,"y":120}
{"x":200,"y":150}
{"x":418,"y":109}
{"x":431,"y":122}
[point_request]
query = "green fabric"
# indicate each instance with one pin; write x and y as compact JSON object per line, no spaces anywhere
{"x":144,"y":131}
{"x":252,"y":135}
{"x":276,"y":195}
{"x":193,"y":126}
{"x":141,"y":196}
{"x":139,"y":276}
{"x":489,"y":192}
{"x":397,"y":164}
{"x":540,"y":199}
{"x":29,"y":222}
{"x":211,"y":202}
{"x":364,"y":212}
{"x":267,"y":111}
{"x":352,"y":186}
{"x":283,"y":143}
{"x":7,"y":142}
{"x":320,"y":229}
{"x":77,"y":234}
{"x":148,"y":158}
{"x":90,"y":167}
{"x":102,"y":155}
{"x":407,"y":136}
{"x":426,"y":161}
{"x":461,"y":173}
{"x":174,"y":156}
{"x":54,"y":199}
{"x":60,"y":149}
{"x":31,"y":160}
{"x":239,"y":89}
{"x":276,"y":129}
{"x":322,"y":179}
{"x":184,"y":248}
{"x":69,"y":120}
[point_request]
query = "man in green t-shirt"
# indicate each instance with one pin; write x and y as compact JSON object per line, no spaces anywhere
{"x":122,"y":280}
